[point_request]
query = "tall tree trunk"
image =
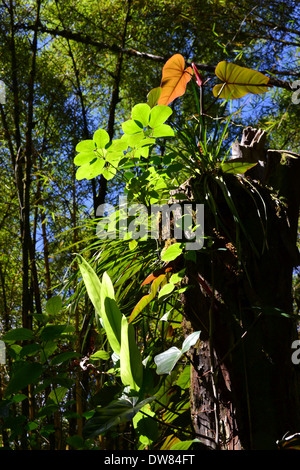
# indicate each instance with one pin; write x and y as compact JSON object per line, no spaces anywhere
{"x":245,"y":388}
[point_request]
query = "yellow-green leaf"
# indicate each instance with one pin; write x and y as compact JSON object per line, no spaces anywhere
{"x":146,"y":299}
{"x":131,"y":367}
{"x":238,"y":81}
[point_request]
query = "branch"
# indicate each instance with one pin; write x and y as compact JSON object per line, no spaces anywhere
{"x":101,"y":45}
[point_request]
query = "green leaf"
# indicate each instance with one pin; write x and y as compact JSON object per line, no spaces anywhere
{"x":238,"y":81}
{"x":58,"y":394}
{"x":183,"y":445}
{"x":54,"y":305}
{"x":164,"y":130}
{"x":190,"y":341}
{"x":30,"y":350}
{"x":131,"y":367}
{"x":172,"y":252}
{"x":84,"y":157}
{"x":146,"y":426}
{"x":177,"y":277}
{"x":85,"y":146}
{"x":103,"y":299}
{"x":147,"y":298}
{"x":101,"y":138}
{"x":153,"y":96}
{"x":166,"y":290}
{"x":131,"y":127}
{"x":167,"y":360}
{"x":117,"y":412}
{"x":109,"y":172}
{"x":19,"y":397}
{"x":51,"y":332}
{"x":111,"y":315}
{"x":140,"y":113}
{"x":158,"y":115}
{"x":64,"y":357}
{"x":104,"y":355}
{"x":133,"y":244}
{"x":27,"y":373}
{"x":91,"y":281}
{"x":47,"y":350}
{"x":135,"y":139}
{"x":118,"y":145}
{"x":90,"y":170}
{"x":237,"y":167}
{"x":18,"y":334}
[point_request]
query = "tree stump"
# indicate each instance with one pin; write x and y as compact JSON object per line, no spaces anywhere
{"x":245,"y":390}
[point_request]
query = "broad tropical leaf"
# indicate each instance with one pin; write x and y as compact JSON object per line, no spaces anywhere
{"x":131,"y":366}
{"x":238,"y":81}
{"x":237,"y":167}
{"x":18,"y":334}
{"x":171,"y":252}
{"x":27,"y":373}
{"x":175,"y":78}
{"x":103,"y":300}
{"x":117,"y":412}
{"x":167,"y":360}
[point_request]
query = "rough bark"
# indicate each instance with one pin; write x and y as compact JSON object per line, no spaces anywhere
{"x":245,"y":388}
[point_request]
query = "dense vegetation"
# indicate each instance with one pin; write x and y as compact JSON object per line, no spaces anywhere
{"x":94,"y":334}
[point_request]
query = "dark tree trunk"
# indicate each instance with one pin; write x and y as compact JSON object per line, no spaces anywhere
{"x":245,"y":387}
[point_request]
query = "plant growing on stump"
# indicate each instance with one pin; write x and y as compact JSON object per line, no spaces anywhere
{"x":235,"y":291}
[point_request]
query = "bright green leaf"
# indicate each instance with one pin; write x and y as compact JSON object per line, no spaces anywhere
{"x":103,"y":299}
{"x":110,"y":314}
{"x":131,"y":367}
{"x":145,"y":425}
{"x":183,"y":445}
{"x":85,"y":146}
{"x":101,"y":138}
{"x":158,"y":115}
{"x":104,"y":355}
{"x":30,"y":350}
{"x":164,"y":130}
{"x":109,"y":172}
{"x":131,"y":127}
{"x":84,"y":157}
{"x":140,"y":113}
{"x":177,"y":277}
{"x":237,"y":167}
{"x":90,"y":170}
{"x":118,"y":146}
{"x":166,"y":290}
{"x":172,"y":252}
